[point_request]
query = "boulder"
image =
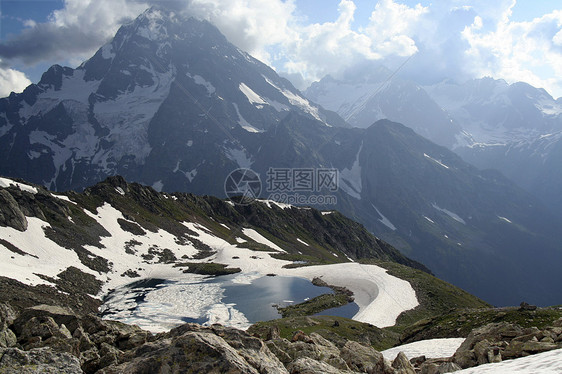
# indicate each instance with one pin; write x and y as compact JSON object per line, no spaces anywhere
{"x":60,"y":315}
{"x":526,"y":306}
{"x":307,"y":365}
{"x":364,"y":359}
{"x":198,"y":352}
{"x":35,"y":361}
{"x":447,"y":367}
{"x":402,"y":365}
{"x":11,"y":214}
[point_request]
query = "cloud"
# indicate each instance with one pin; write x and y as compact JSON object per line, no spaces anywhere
{"x":12,"y":80}
{"x":75,"y":31}
{"x":519,"y":51}
{"x":447,"y":39}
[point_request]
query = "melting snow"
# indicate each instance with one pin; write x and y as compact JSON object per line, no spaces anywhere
{"x":45,"y":256}
{"x":432,"y":348}
{"x":385,"y":221}
{"x":107,"y":51}
{"x":239,"y":156}
{"x":351,"y":178}
{"x":305,"y":243}
{"x":436,"y":161}
{"x":5,"y":182}
{"x":269,"y":203}
{"x":242,"y":122}
{"x":454,"y":216}
{"x":256,"y":236}
{"x":202,"y":82}
{"x":158,"y":185}
{"x":545,"y":363}
{"x":429,"y":219}
{"x":253,"y":97}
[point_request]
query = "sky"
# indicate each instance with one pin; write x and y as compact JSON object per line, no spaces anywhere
{"x":305,"y":40}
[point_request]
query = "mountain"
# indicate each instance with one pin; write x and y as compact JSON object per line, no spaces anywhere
{"x":362,"y":99}
{"x":162,"y":74}
{"x":171,"y":104}
{"x":62,"y":252}
{"x":516,"y":129}
{"x":472,"y":228}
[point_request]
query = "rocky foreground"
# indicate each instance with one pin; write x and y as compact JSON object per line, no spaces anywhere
{"x":52,"y":339}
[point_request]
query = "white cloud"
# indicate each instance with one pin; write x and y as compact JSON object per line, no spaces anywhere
{"x":252,"y":25}
{"x":519,"y":51}
{"x":391,"y":27}
{"x":446,"y":38}
{"x":73,"y":32}
{"x":12,"y":81}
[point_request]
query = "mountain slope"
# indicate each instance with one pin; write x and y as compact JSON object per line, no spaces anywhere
{"x":516,"y":129}
{"x":145,"y":106}
{"x":168,"y":103}
{"x":473,"y":228}
{"x":362,"y":101}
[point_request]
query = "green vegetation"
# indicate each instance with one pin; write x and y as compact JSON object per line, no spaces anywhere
{"x":460,"y":323}
{"x":434,"y":295}
{"x":207,"y":268}
{"x":315,"y":305}
{"x":334,"y":329}
{"x":255,"y":246}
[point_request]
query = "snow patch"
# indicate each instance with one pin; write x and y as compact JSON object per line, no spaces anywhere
{"x":305,"y":243}
{"x":351,"y":178}
{"x":429,"y":219}
{"x":158,"y":185}
{"x":269,"y":203}
{"x":385,"y":221}
{"x":242,"y":122}
{"x":107,"y":52}
{"x":257,"y":237}
{"x":239,"y":156}
{"x":545,"y":363}
{"x":252,"y":97}
{"x":436,"y":161}
{"x":45,"y":256}
{"x":505,"y":219}
{"x":432,"y":348}
{"x":454,"y":216}
{"x":5,"y":182}
{"x":199,"y":80}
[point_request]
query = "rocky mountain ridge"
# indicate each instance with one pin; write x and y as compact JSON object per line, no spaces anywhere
{"x":171,"y":104}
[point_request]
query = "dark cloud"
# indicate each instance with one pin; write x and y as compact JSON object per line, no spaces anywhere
{"x":49,"y":42}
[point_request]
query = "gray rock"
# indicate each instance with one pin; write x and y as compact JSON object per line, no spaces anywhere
{"x":364,"y":359}
{"x":11,"y":214}
{"x":7,"y":337}
{"x":196,"y":352}
{"x":307,"y":365}
{"x":402,"y":364}
{"x":35,"y":361}
{"x":58,"y":314}
{"x":448,"y":367}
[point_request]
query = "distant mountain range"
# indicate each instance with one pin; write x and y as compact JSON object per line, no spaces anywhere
{"x":170,"y":103}
{"x":515,"y":128}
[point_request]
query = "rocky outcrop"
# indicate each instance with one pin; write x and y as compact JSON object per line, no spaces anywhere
{"x":11,"y":214}
{"x":502,"y":341}
{"x":53,"y":339}
{"x":35,"y":361}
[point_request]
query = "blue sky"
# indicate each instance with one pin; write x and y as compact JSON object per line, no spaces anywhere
{"x":307,"y":39}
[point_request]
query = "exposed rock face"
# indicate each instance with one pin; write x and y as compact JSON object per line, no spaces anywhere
{"x":11,"y":214}
{"x":402,"y":364}
{"x":35,"y":361}
{"x":501,"y":341}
